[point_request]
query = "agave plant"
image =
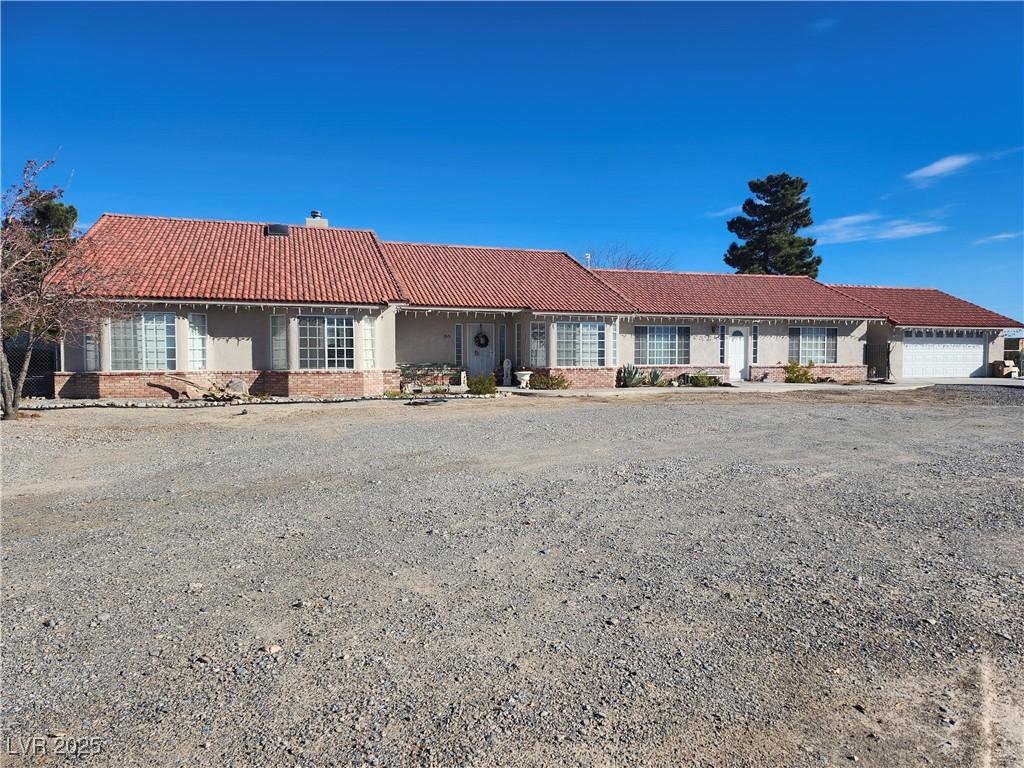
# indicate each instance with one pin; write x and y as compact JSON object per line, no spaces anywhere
{"x":629,"y":376}
{"x":654,"y":377}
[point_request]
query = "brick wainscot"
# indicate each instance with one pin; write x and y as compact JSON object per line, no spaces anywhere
{"x":843,"y":373}
{"x":155,"y":384}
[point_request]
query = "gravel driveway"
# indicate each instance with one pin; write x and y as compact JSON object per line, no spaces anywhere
{"x":800,"y":579}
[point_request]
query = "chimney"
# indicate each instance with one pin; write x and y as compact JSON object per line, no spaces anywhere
{"x":316,"y":219}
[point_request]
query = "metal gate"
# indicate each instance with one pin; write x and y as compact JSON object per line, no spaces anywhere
{"x":876,"y":358}
{"x":41,"y":366}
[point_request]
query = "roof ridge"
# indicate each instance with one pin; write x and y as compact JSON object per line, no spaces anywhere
{"x":887,"y":287}
{"x":479,"y":247}
{"x":687,"y":272}
{"x":224,"y":221}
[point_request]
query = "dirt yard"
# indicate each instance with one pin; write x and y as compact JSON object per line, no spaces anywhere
{"x":705,"y":579}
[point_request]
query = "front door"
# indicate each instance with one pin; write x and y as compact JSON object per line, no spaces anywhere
{"x":737,"y":354}
{"x":480,"y":343}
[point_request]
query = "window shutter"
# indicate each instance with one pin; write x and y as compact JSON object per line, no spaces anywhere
{"x":794,"y":345}
{"x":753,"y":344}
{"x":683,"y":336}
{"x":831,"y":345}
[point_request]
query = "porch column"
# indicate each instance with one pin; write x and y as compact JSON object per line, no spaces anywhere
{"x":358,"y":356}
{"x":552,"y":344}
{"x":293,"y":343}
{"x":105,"y":351}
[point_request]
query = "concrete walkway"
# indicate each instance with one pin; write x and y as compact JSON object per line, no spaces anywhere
{"x":761,"y":386}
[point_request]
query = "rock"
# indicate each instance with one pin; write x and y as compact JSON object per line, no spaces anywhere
{"x":237,"y":387}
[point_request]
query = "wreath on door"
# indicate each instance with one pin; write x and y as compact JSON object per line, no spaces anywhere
{"x":481,"y":340}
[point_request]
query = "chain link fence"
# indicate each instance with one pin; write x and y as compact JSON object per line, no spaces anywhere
{"x":41,"y":366}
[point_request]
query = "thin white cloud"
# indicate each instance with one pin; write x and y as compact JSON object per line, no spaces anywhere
{"x":860,"y":227}
{"x":997,"y":238}
{"x":945,"y":166}
{"x":732,"y":210}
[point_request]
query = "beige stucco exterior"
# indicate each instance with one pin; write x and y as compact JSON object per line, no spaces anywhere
{"x":881,"y":334}
{"x":239,"y":338}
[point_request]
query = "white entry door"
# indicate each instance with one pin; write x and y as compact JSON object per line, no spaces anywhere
{"x":737,"y":354}
{"x":480,"y":344}
{"x":946,"y":357}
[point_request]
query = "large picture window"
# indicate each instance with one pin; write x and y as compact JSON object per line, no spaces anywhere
{"x":326,"y":342}
{"x":661,"y":345}
{"x":813,"y":345}
{"x":145,"y":342}
{"x":580,"y":345}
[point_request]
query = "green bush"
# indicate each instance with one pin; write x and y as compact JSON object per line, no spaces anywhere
{"x":799,"y":374}
{"x":655,"y":377}
{"x":393,"y":393}
{"x":703,"y":380}
{"x":629,"y":376}
{"x":543,"y":381}
{"x":438,"y":389}
{"x":482,"y":384}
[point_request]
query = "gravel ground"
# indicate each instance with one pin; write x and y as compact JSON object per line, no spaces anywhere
{"x":798,"y":579}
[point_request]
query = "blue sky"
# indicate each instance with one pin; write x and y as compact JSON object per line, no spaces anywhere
{"x":572,"y":126}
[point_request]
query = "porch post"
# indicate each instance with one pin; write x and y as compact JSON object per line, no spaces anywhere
{"x":105,"y":351}
{"x":552,"y":344}
{"x":293,"y":343}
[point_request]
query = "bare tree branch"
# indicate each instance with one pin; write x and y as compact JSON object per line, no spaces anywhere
{"x":619,"y":256}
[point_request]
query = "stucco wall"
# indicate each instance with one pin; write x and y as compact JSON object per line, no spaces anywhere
{"x":430,"y":337}
{"x":240,"y":340}
{"x":773,"y":340}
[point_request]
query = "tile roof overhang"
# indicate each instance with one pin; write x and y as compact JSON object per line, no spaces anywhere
{"x":699,"y":294}
{"x":926,"y":307}
{"x":550,"y":282}
{"x":158,"y":258}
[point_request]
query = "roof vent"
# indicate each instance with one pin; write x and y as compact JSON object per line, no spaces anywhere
{"x":276,"y":230}
{"x":316,"y":219}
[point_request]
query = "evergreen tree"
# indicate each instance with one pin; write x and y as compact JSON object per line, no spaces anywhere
{"x":773,"y":217}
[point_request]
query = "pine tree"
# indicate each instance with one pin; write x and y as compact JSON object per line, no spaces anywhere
{"x":773,"y":217}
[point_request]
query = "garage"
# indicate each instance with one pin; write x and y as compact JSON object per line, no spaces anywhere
{"x":943,"y":354}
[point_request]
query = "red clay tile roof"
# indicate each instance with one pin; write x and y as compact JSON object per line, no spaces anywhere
{"x":178,"y":259}
{"x":730,"y":295}
{"x":500,"y":278}
{"x":926,"y":307}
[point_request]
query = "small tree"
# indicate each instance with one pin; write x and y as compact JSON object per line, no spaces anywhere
{"x":49,"y":285}
{"x":623,"y":257}
{"x":772,"y":219}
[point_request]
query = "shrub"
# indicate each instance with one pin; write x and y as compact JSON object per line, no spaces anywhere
{"x":798,"y":374}
{"x":629,"y":376}
{"x":393,"y":393}
{"x":703,"y":380}
{"x":655,"y":377}
{"x":482,"y":384}
{"x":543,"y":381}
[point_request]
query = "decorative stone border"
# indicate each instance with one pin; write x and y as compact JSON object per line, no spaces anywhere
{"x":57,"y":405}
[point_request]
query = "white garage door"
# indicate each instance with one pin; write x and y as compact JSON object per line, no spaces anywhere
{"x":943,"y":357}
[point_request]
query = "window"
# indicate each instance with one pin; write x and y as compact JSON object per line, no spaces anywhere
{"x":662,"y":345}
{"x":721,"y":344}
{"x":613,"y":352}
{"x":91,"y":345}
{"x":458,"y":345}
{"x":813,"y":345}
{"x":501,"y":346}
{"x":579,"y":345}
{"x":753,"y":343}
{"x":369,"y":342}
{"x":196,"y":342}
{"x":279,"y":342}
{"x":538,"y":357}
{"x":145,"y":342}
{"x":326,"y":342}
